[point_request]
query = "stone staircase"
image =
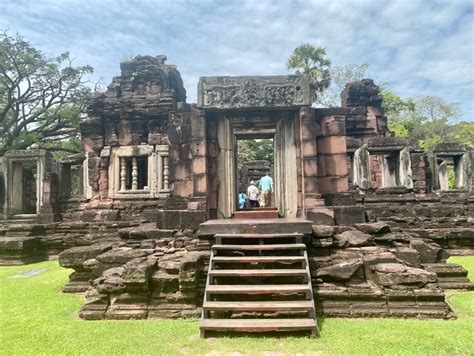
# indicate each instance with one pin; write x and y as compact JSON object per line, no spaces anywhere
{"x":258,"y":282}
{"x":450,"y":275}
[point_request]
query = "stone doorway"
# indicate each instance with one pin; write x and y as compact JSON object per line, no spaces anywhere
{"x":275,"y":125}
{"x":25,"y":188}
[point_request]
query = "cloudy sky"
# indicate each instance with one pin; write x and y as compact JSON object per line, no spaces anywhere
{"x":418,"y":47}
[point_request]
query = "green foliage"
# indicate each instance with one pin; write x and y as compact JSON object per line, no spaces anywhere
{"x":426,"y":120}
{"x":41,"y":99}
{"x":311,"y":62}
{"x":251,"y":150}
{"x":37,"y":319}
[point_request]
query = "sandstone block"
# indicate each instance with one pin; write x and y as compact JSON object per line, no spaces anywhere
{"x":373,"y":228}
{"x":396,"y":275}
{"x":322,"y":230}
{"x":76,"y":256}
{"x":354,"y":238}
{"x":340,"y":271}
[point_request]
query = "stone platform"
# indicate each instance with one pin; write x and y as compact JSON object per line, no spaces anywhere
{"x":257,"y":226}
{"x":19,"y":250}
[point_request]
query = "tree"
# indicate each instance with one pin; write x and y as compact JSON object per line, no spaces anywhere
{"x":426,"y":120}
{"x":311,"y":62}
{"x":252,"y":150}
{"x":41,"y":99}
{"x":340,"y":76}
{"x":436,"y":108}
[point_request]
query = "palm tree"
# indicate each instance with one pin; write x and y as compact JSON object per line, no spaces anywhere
{"x":311,"y":62}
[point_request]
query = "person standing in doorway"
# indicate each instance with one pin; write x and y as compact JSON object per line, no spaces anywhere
{"x":242,"y":200}
{"x":266,"y":189}
{"x":253,"y":194}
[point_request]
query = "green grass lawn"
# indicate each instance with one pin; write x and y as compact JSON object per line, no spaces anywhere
{"x":37,"y":319}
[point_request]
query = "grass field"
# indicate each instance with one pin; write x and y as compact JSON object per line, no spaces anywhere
{"x":37,"y":319}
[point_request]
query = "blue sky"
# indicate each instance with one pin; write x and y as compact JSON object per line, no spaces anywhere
{"x":418,"y":47}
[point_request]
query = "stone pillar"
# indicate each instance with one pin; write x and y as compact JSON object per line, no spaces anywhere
{"x":226,"y":194}
{"x":443,"y":179}
{"x":134,"y":174}
{"x":332,"y":155}
{"x":123,"y":174}
{"x":404,"y":168}
{"x":361,"y":169}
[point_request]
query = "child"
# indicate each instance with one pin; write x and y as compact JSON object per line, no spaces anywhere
{"x":242,"y":200}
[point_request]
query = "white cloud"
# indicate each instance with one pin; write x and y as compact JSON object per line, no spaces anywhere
{"x":420,"y":47}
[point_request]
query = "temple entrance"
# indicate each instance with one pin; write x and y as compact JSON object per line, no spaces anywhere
{"x":24,"y":197}
{"x":273,"y":129}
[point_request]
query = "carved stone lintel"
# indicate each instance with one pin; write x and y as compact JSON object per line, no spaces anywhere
{"x":253,"y":92}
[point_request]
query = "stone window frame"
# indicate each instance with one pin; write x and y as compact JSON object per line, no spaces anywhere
{"x":404,"y":175}
{"x":460,"y":159}
{"x":65,"y":168}
{"x":35,"y":156}
{"x":158,"y":170}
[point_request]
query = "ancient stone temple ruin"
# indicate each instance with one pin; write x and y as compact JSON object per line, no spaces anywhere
{"x":147,"y":216}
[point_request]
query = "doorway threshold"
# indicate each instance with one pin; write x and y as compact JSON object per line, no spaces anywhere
{"x":260,"y":226}
{"x":257,"y":213}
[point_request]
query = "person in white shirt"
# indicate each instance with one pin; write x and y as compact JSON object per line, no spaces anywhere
{"x":253,"y":194}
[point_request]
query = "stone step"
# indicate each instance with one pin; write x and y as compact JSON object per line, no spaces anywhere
{"x":258,"y":325}
{"x":446,"y":269}
{"x":262,"y":214}
{"x":264,"y":306}
{"x":257,"y":259}
{"x":251,"y":226}
{"x":453,"y":284}
{"x":273,"y":247}
{"x":258,"y":289}
{"x":258,"y":273}
{"x":259,"y":236}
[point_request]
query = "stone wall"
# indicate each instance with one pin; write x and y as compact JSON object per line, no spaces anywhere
{"x":369,"y":269}
{"x":145,"y":108}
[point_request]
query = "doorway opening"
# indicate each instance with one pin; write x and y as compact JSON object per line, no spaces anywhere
{"x":254,"y":161}
{"x":25,"y":187}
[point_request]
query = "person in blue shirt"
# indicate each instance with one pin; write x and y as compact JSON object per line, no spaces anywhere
{"x":242,"y":200}
{"x":266,"y":190}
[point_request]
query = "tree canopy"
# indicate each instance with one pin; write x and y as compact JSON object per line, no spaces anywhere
{"x":426,"y":120}
{"x":311,"y":61}
{"x":42,"y":99}
{"x":340,"y":76}
{"x":252,"y":150}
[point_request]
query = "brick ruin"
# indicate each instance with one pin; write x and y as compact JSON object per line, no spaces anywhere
{"x":379,"y":216}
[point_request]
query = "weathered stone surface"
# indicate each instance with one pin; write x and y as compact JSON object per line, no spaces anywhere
{"x":354,"y":238}
{"x":165,"y":282}
{"x":373,"y":228}
{"x":17,"y":250}
{"x":340,"y":271}
{"x":76,"y":256}
{"x":322,"y":231}
{"x":253,"y":92}
{"x":120,"y":256}
{"x":139,"y":271}
{"x":111,"y":281}
{"x":396,"y":275}
{"x":407,"y":255}
{"x":429,"y":252}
